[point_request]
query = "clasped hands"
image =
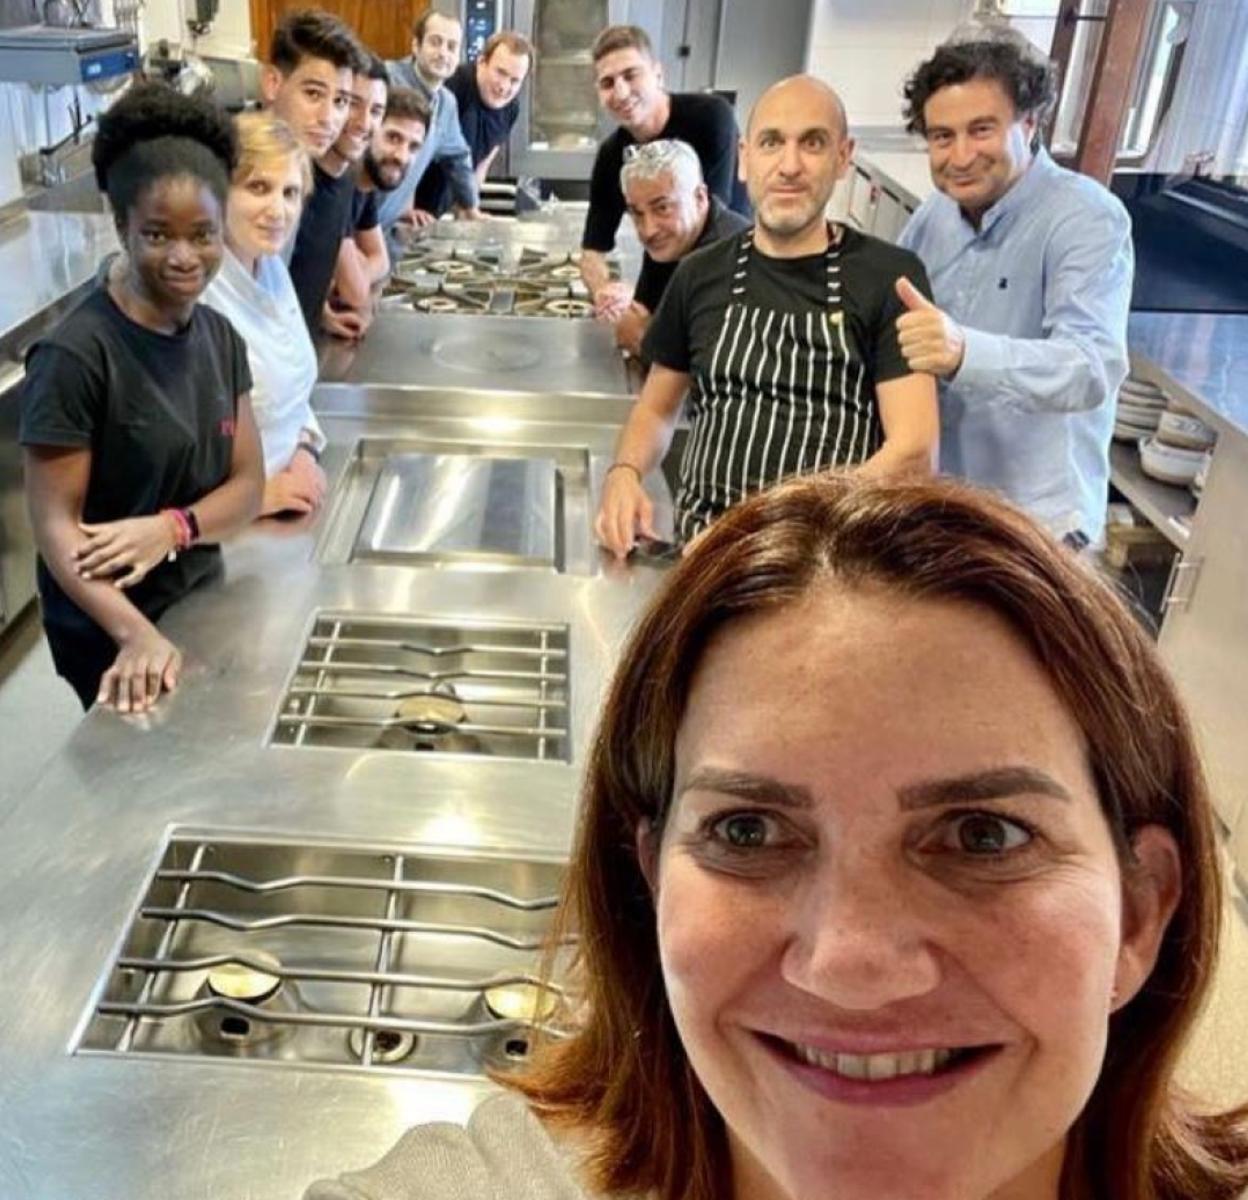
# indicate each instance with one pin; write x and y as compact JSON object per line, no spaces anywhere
{"x":123,"y":552}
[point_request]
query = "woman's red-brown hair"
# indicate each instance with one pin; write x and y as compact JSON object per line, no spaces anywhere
{"x":623,"y":1082}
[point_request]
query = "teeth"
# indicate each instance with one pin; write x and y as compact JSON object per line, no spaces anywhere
{"x":876,"y":1066}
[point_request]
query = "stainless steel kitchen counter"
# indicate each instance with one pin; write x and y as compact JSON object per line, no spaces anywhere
{"x":81,"y":845}
{"x":44,"y":256}
{"x":525,"y":354}
{"x":1204,"y":356}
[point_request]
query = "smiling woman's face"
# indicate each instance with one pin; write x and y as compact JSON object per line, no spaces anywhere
{"x":890,"y":913}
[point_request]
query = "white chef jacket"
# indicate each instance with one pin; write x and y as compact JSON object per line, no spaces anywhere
{"x":265,"y":310}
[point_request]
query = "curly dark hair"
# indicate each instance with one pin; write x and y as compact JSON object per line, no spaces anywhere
{"x":154,"y":132}
{"x":1028,"y":79}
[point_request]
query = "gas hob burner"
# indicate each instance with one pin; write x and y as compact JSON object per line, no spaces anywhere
{"x":450,"y":268}
{"x":288,"y":952}
{"x":240,"y":990}
{"x":568,"y":307}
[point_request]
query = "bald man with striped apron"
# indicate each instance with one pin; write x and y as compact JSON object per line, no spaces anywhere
{"x":783,"y":338}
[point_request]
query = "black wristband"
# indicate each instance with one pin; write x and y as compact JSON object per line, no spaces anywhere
{"x":193,"y":521}
{"x":312,"y":450}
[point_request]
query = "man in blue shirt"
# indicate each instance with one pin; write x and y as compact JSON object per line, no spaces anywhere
{"x":1031,"y":269}
{"x":436,"y":39}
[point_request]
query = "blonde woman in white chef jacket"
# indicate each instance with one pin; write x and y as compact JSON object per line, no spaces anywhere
{"x":253,"y":289}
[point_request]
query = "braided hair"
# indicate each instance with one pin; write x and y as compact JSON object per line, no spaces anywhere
{"x":154,"y":132}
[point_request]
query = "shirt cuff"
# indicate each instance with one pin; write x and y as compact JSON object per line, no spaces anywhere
{"x":983,"y":358}
{"x":311,"y":435}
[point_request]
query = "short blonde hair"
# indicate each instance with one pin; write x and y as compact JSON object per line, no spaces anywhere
{"x":264,"y":141}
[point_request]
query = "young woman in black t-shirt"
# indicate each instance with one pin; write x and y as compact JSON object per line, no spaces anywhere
{"x":141,"y":450}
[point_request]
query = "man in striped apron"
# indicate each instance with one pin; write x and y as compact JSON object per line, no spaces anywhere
{"x":783,"y":336}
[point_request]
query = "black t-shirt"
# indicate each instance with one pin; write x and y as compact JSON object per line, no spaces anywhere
{"x":707,"y":124}
{"x":653,"y":278}
{"x":158,"y":413}
{"x":326,"y":221}
{"x":784,"y":356}
{"x":363,"y":211}
{"x":483,"y":128}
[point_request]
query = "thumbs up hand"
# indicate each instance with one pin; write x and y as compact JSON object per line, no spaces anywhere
{"x":930,"y":339}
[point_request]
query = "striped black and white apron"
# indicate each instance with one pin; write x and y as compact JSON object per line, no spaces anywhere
{"x":785,"y":394}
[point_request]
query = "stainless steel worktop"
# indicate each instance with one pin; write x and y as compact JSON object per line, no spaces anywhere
{"x":1202,"y":355}
{"x":524,"y":354}
{"x":81,"y":845}
{"x":44,"y":256}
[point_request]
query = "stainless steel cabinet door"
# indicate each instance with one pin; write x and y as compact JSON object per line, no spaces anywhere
{"x":1204,"y":636}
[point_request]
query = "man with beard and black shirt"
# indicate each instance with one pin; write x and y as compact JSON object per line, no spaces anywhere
{"x":488,"y":92}
{"x":307,"y":82}
{"x":674,"y":215}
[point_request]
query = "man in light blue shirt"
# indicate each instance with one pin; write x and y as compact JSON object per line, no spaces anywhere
{"x":435,"y":54}
{"x":1031,"y":268}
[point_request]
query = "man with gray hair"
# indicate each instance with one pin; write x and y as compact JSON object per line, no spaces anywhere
{"x":674,"y":214}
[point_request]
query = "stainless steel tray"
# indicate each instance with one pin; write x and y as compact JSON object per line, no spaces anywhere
{"x":458,"y":506}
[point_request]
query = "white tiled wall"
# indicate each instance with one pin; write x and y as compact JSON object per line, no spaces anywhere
{"x":867,"y":48}
{"x":231,"y":31}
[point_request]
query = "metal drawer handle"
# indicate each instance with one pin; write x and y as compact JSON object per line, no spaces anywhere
{"x":1182,"y":583}
{"x":11,"y":375}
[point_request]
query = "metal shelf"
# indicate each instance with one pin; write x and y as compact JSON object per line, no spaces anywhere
{"x":1165,"y":505}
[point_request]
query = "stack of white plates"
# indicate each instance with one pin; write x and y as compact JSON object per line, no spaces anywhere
{"x":1140,"y":405}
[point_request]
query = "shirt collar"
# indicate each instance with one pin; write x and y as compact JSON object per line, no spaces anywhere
{"x":1032,"y":180}
{"x":418,"y":82}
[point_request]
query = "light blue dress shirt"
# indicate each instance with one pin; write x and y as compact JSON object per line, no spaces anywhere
{"x":444,"y":141}
{"x":1042,"y":290}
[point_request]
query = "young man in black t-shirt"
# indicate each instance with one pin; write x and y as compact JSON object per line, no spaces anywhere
{"x":488,"y":92}
{"x":307,"y":82}
{"x":630,"y":87}
{"x":784,"y":336}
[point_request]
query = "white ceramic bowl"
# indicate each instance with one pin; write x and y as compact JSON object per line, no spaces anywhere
{"x":1186,"y":432}
{"x":1169,"y":464}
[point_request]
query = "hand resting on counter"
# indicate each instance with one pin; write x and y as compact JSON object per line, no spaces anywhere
{"x":298,"y":488}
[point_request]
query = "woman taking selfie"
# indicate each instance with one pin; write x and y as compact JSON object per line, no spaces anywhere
{"x":253,"y":291}
{"x":141,"y":452}
{"x":895,"y":880}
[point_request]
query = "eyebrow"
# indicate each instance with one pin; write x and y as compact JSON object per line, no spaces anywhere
{"x":997,"y":783}
{"x":745,"y":786}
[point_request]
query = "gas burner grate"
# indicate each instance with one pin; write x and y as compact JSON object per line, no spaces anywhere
{"x":389,"y":683}
{"x":323,"y":953}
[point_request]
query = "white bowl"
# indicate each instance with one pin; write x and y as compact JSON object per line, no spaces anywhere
{"x":1169,"y":464}
{"x":1186,"y":432}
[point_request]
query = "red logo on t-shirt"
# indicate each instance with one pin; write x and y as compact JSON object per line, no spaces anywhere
{"x":226,"y":427}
